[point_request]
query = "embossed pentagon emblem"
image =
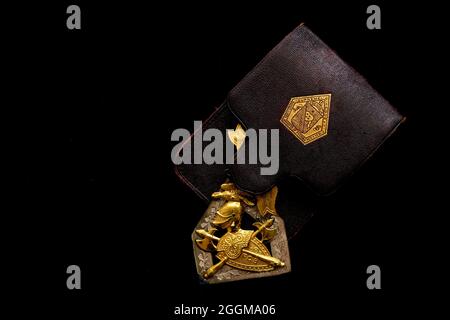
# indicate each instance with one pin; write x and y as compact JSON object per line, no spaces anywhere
{"x":307,"y":117}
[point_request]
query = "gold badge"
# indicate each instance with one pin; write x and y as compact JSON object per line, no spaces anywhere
{"x":307,"y":117}
{"x":226,"y":251}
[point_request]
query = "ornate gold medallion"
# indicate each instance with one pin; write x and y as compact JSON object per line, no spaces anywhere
{"x":307,"y":117}
{"x":225,"y":251}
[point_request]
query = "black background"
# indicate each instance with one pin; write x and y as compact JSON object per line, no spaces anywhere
{"x":89,"y":126}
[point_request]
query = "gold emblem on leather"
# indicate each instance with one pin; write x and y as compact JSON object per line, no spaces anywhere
{"x":237,"y":136}
{"x":307,"y":117}
{"x":225,"y":251}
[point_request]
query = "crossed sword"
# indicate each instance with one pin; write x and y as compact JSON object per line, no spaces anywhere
{"x":206,"y":242}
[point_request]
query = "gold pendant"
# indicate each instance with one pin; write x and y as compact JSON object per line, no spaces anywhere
{"x":225,"y":251}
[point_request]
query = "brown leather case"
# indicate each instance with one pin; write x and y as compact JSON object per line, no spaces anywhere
{"x":360,"y":120}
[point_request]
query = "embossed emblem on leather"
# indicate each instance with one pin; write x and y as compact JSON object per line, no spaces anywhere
{"x":307,"y":117}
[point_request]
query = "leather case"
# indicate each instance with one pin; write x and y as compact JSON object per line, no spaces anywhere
{"x":359,"y":121}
